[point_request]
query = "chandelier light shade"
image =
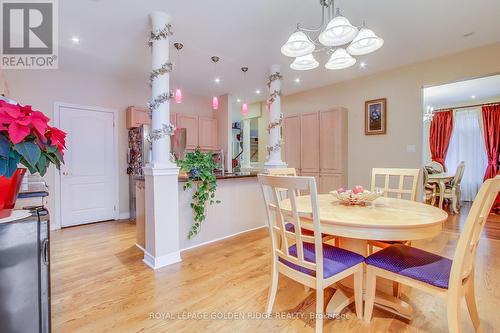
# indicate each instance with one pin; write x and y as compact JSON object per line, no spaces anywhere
{"x":178,"y":96}
{"x":365,"y":42}
{"x":298,"y":45}
{"x":215,"y":103}
{"x":336,"y":36}
{"x":244,"y":108}
{"x":304,"y":63}
{"x":340,"y":59}
{"x":338,"y":32}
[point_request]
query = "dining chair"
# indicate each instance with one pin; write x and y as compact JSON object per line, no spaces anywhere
{"x":452,"y":191}
{"x":436,"y":166}
{"x":399,"y":190}
{"x":429,"y":189}
{"x":435,"y":274}
{"x":308,"y":261}
{"x":395,"y":184}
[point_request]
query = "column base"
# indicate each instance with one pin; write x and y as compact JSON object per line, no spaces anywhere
{"x":162,"y":261}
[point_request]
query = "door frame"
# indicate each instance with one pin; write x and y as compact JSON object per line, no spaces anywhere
{"x":57,"y":175}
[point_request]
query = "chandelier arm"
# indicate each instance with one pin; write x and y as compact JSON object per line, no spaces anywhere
{"x":321,"y":26}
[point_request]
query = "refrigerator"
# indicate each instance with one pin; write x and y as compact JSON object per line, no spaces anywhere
{"x":25,"y":274}
{"x":139,"y":155}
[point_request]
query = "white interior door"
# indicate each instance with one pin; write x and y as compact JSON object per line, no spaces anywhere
{"x":88,"y":184}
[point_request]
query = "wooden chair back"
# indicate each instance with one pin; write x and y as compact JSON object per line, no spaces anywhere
{"x":278,"y":217}
{"x":465,"y":254}
{"x":457,"y":180}
{"x":400,"y":175}
{"x":425,"y":177}
{"x":436,"y":166}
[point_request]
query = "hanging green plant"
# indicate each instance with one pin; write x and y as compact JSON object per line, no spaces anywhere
{"x":200,"y":168}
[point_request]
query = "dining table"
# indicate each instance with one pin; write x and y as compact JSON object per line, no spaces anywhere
{"x":440,"y":179}
{"x":384,"y":219}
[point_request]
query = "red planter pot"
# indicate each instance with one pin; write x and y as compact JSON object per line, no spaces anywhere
{"x":9,"y":188}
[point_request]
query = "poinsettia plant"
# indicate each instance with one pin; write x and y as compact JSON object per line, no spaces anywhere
{"x":27,"y":138}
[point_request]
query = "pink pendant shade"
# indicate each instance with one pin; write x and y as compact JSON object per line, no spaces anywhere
{"x":178,"y":96}
{"x":244,"y":108}
{"x":215,"y":103}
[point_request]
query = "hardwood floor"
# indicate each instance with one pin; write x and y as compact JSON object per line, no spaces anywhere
{"x":100,"y":284}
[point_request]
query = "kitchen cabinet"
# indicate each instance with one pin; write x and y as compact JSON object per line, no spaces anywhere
{"x":207,"y":133}
{"x":316,"y":145}
{"x":291,"y":137}
{"x":137,"y":116}
{"x":333,"y":140}
{"x":190,"y":123}
{"x":309,"y":139}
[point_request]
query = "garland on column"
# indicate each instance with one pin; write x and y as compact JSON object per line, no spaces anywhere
{"x":274,"y":77}
{"x":275,"y":123}
{"x":272,"y":98}
{"x":275,"y":147}
{"x":167,"y":67}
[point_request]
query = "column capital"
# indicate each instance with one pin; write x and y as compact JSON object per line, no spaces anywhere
{"x":159,"y":18}
{"x":274,"y":68}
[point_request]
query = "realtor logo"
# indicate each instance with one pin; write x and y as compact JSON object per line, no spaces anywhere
{"x":29,"y":34}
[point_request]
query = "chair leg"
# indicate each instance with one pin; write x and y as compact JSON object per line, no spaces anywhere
{"x":371,"y":281}
{"x":370,"y":249}
{"x":320,"y":295}
{"x":396,"y":289}
{"x":358,"y":293}
{"x":470,"y":298}
{"x":306,"y":288}
{"x":273,"y":289}
{"x":454,"y":314}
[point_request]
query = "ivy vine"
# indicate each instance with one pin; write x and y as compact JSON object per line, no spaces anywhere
{"x":200,"y":168}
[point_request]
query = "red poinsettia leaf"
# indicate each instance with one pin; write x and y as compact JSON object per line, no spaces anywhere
{"x":12,"y":110}
{"x":5,"y":118}
{"x":39,"y":122}
{"x":17,"y":132}
{"x":26,"y":109}
{"x":23,"y":121}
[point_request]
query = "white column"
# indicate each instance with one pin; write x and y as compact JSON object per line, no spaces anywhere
{"x":161,"y":176}
{"x":246,"y":144}
{"x":274,"y":159}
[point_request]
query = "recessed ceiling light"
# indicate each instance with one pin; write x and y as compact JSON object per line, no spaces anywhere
{"x":217,"y":80}
{"x":75,"y":40}
{"x":297,"y":80}
{"x":473,"y":97}
{"x":362,"y":65}
{"x":238,"y":100}
{"x":257,"y":91}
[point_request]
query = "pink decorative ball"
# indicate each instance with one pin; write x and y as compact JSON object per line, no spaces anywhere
{"x":358,"y":189}
{"x":341,"y":190}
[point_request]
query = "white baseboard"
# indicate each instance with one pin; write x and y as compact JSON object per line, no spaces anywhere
{"x":165,"y":260}
{"x":124,"y":215}
{"x":222,"y":238}
{"x":140,"y":247}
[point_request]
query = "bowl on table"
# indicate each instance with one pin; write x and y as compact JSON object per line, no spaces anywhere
{"x":356,"y":196}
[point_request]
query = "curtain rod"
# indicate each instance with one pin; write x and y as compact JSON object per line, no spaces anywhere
{"x":465,"y":107}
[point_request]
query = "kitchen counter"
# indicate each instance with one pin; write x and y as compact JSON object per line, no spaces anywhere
{"x":35,"y":190}
{"x":235,"y":175}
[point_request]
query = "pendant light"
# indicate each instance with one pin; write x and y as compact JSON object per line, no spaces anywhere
{"x":178,"y":91}
{"x":297,"y":45}
{"x":365,"y":42}
{"x":338,"y":32}
{"x":340,"y":59}
{"x":215,"y":99}
{"x":304,"y":63}
{"x":244,"y":106}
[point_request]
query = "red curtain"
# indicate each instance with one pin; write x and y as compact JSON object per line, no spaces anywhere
{"x":440,"y":134}
{"x":491,"y":124}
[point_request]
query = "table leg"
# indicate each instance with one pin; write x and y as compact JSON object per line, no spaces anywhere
{"x":344,"y":294}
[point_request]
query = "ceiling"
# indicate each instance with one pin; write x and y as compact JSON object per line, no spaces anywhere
{"x":467,"y":92}
{"x":113,"y":36}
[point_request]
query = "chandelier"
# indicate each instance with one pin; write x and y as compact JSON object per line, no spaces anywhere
{"x":339,"y":38}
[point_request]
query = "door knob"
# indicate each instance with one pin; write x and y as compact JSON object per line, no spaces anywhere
{"x":65,"y":173}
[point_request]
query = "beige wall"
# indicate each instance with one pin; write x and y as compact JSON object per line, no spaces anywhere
{"x":403,"y":89}
{"x":42,"y":88}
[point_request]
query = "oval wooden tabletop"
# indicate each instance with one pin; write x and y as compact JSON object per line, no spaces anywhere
{"x":384,"y":219}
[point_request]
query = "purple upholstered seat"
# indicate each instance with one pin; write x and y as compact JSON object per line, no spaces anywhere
{"x":413,"y":263}
{"x":291,"y":228}
{"x":335,"y":260}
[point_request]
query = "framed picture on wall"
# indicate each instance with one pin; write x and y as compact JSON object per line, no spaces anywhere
{"x":376,"y":116}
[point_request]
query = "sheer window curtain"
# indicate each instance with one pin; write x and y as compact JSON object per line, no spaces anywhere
{"x":467,"y":144}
